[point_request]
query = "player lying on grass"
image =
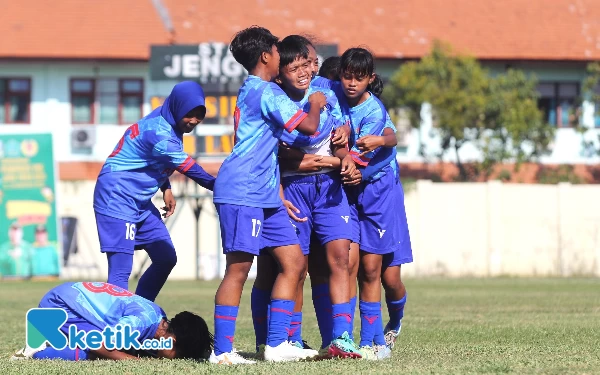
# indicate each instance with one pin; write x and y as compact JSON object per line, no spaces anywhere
{"x":246,"y":196}
{"x":318,"y":196}
{"x":149,"y":152}
{"x":95,"y":306}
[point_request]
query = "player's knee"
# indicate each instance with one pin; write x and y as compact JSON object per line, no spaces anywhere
{"x":370,"y":274}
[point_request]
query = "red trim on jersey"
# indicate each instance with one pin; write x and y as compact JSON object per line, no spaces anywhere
{"x":186,"y":165}
{"x":295,"y":120}
{"x":358,"y":159}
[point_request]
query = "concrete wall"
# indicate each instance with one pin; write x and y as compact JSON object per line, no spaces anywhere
{"x":457,"y":229}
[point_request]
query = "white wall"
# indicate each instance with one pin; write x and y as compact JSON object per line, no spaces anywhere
{"x":457,"y":229}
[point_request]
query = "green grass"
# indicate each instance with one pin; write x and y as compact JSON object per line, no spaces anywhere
{"x":464,"y":326}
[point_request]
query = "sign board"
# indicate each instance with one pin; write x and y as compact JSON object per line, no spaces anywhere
{"x":28,"y":222}
{"x":205,"y":62}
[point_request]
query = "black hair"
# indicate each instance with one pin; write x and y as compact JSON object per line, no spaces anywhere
{"x":357,"y":61}
{"x":330,"y":68}
{"x":376,"y":87}
{"x":193,"y":340}
{"x":291,"y":48}
{"x":248,"y":45}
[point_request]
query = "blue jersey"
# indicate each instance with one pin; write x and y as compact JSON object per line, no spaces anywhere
{"x":330,"y":118}
{"x":249,"y":176}
{"x":104,"y":305}
{"x":145,"y":157}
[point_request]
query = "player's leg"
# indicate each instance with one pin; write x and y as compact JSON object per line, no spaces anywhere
{"x":266,"y":273}
{"x":240,"y":236}
{"x":295,"y":330}
{"x":117,"y":240}
{"x":395,"y":297}
{"x":280,"y":238}
{"x":353,"y":263}
{"x":318,"y":270}
{"x":153,"y":236}
{"x":333,"y":227}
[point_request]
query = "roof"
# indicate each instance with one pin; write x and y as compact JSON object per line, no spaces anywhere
{"x":487,"y":29}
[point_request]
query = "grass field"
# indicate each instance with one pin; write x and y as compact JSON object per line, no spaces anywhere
{"x":522,"y":326}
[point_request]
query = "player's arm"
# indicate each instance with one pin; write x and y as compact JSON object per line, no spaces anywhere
{"x":170,"y":152}
{"x":280,"y":110}
{"x":371,"y":142}
{"x":373,"y":127}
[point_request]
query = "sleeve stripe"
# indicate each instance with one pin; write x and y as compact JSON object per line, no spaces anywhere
{"x":295,"y":120}
{"x":361,"y":160}
{"x":186,"y":165}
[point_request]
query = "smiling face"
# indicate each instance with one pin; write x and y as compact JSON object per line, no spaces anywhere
{"x":191,"y":119}
{"x":295,"y":77}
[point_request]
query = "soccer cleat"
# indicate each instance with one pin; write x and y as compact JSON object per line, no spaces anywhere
{"x":368,"y":353}
{"x":231,"y":358}
{"x":285,"y":352}
{"x":343,"y":347}
{"x":382,"y":352}
{"x":310,"y":352}
{"x":391,"y":335}
{"x":27,"y":353}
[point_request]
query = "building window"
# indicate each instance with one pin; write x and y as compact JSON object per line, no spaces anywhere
{"x":107,"y":100}
{"x":557,"y":102}
{"x":15,"y":97}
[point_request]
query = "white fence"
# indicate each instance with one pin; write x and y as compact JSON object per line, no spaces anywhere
{"x":457,"y":229}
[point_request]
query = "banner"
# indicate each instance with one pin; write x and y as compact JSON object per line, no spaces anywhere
{"x":28,"y":224}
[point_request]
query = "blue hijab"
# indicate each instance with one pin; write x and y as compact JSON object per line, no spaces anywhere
{"x":184,"y":97}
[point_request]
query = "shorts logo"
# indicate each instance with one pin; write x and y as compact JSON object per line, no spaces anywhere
{"x":346,"y":218}
{"x":381,"y":232}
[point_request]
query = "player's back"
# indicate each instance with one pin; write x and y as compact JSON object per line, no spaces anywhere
{"x":100,"y":305}
{"x":133,"y":172}
{"x":249,"y":176}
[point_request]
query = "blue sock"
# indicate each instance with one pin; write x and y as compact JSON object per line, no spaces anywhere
{"x":295,"y":330}
{"x":119,"y":269}
{"x":352,"y":314}
{"x":371,"y":328}
{"x":396,"y":311}
{"x":279,"y":321}
{"x":341,"y":319}
{"x":322,"y":304}
{"x":259,"y":304}
{"x":64,"y":354}
{"x":162,"y":254}
{"x":225,"y":317}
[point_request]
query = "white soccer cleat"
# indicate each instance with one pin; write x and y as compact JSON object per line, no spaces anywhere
{"x":26,"y":353}
{"x":307,"y":350}
{"x":286,"y":352}
{"x":382,"y":352}
{"x":231,"y":358}
{"x":391,"y":336}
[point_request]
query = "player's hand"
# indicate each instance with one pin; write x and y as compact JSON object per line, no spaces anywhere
{"x":292,"y":211}
{"x":354,"y":179}
{"x":348,"y":167}
{"x":313,"y":163}
{"x":170,"y":203}
{"x":317,"y":98}
{"x":341,"y":135}
{"x":369,"y":143}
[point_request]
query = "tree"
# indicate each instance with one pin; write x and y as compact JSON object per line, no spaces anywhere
{"x":590,"y":93}
{"x":498,"y":115}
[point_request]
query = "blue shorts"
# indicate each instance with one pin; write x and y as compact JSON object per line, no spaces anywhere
{"x":251,"y":229}
{"x":382,"y":217}
{"x":352,"y":193}
{"x":122,"y":236}
{"x":322,"y":200}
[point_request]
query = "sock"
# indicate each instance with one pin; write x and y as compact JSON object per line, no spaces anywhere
{"x":64,"y":354}
{"x":119,"y":269}
{"x":371,"y":328}
{"x":322,"y":304}
{"x":295,"y":330}
{"x":225,"y":317}
{"x":341,"y":319}
{"x":352,"y":313}
{"x":163,"y":257}
{"x":259,"y":304}
{"x":279,"y":321}
{"x":396,"y":312}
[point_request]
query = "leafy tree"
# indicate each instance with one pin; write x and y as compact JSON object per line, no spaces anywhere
{"x":498,"y":115}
